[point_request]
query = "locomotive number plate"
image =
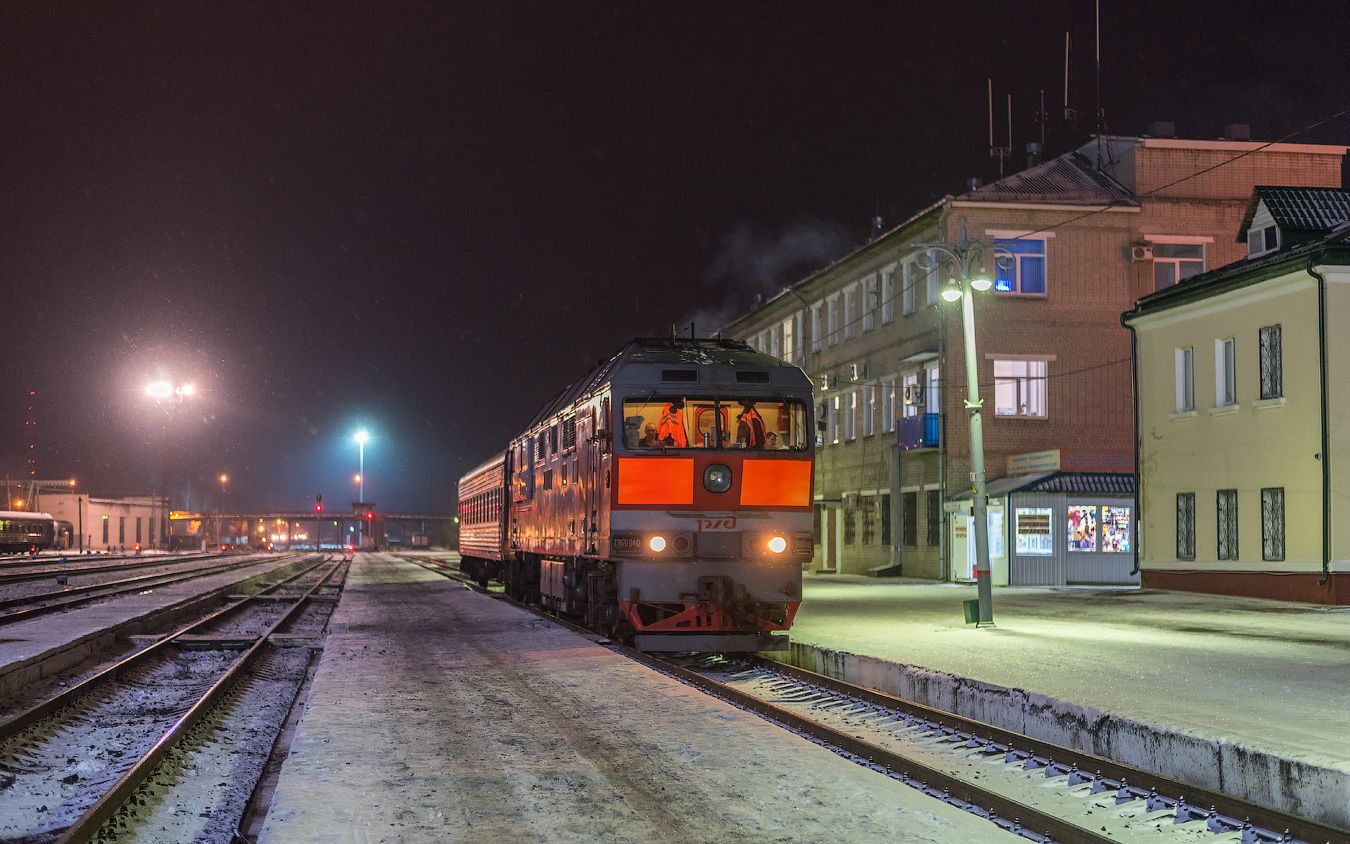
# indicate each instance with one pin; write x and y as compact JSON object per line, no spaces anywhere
{"x":705,"y":525}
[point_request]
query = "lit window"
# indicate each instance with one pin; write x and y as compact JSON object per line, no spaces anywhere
{"x":1022,"y":271}
{"x":1020,"y":388}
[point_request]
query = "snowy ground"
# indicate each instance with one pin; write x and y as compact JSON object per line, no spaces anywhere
{"x":439,"y":714}
{"x":1231,"y":671}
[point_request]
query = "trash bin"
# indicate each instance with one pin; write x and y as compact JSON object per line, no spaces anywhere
{"x":972,"y":609}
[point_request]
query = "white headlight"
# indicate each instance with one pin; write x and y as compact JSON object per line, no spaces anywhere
{"x":657,"y":544}
{"x":778,"y":545}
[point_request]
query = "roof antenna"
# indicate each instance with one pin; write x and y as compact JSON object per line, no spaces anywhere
{"x":692,"y":335}
{"x":1001,"y":153}
{"x":1070,"y":113}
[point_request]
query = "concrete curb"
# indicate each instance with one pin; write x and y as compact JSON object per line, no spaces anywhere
{"x":1295,"y":786}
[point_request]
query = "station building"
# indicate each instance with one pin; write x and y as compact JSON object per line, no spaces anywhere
{"x":1244,"y":410}
{"x":108,"y":524}
{"x":1087,"y":234}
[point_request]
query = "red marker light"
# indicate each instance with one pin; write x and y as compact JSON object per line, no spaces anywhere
{"x":318,"y":508}
{"x":370,"y":516}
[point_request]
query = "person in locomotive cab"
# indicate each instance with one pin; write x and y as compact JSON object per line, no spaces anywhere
{"x":771,"y":441}
{"x":670,"y":430}
{"x":750,"y":426}
{"x":649,"y":437}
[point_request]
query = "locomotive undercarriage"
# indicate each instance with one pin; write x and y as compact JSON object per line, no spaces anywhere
{"x":718,"y":615}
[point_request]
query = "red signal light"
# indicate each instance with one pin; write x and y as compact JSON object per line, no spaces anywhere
{"x":318,"y":508}
{"x":370,"y":516}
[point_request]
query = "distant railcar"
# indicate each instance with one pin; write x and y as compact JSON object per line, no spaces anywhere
{"x":666,"y":497}
{"x":23,"y":531}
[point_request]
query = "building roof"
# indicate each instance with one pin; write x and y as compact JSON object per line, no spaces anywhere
{"x":1081,"y":483}
{"x":1332,"y":248}
{"x":1067,"y":179}
{"x":1312,"y":210}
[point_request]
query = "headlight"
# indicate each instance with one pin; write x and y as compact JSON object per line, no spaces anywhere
{"x":777,"y":544}
{"x":717,"y":478}
{"x":657,"y":544}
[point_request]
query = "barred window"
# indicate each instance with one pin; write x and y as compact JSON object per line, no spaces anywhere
{"x":934,"y":504}
{"x":1227,"y":506}
{"x":1272,"y":523}
{"x":869,"y":522}
{"x":1272,"y":364}
{"x":850,"y":525}
{"x":909,"y":519}
{"x":886,"y":519}
{"x":1185,"y":526}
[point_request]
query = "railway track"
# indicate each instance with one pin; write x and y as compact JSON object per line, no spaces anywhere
{"x":25,"y":607}
{"x":27,"y":561}
{"x":1030,"y":788}
{"x":49,"y":569}
{"x":176,"y":724}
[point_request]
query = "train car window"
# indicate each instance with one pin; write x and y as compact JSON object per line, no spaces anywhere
{"x":758,"y":423}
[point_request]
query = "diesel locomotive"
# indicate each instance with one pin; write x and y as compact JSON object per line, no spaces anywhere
{"x":665,"y":498}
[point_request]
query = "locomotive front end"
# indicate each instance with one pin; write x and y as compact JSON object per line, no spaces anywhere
{"x":711,"y":510}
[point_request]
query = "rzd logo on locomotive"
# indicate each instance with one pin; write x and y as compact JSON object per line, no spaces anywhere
{"x":729,"y":523}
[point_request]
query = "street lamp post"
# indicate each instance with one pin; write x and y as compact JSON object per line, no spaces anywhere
{"x":962,"y":256}
{"x":361,"y":436}
{"x":167,"y":396}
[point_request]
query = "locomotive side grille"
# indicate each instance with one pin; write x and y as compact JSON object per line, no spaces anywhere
{"x":685,"y":376}
{"x":752,"y":377}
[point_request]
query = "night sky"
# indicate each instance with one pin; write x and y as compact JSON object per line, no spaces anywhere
{"x":427,"y":218}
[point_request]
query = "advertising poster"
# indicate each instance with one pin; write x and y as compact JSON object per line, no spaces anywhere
{"x":1082,"y":527}
{"x":1116,"y":530}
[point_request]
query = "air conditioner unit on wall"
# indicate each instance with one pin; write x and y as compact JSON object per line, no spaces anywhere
{"x":1141,"y":252}
{"x":914,"y":394}
{"x":857,"y":371}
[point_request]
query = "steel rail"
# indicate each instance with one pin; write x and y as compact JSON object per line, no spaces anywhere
{"x":82,"y":594}
{"x":1299,"y":827}
{"x":1139,"y":779}
{"x":40,"y":710}
{"x":84,"y":827}
{"x":55,"y":569}
{"x":76,"y":556}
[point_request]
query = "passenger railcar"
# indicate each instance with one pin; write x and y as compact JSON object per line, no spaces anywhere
{"x":665,"y":497}
{"x":22,"y":531}
{"x":482,"y":520}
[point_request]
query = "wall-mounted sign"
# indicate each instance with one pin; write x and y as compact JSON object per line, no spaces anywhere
{"x":1033,"y":461}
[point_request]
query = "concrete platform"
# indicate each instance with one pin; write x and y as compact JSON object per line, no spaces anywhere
{"x":49,"y":644}
{"x":439,"y":714}
{"x":1238,"y":695}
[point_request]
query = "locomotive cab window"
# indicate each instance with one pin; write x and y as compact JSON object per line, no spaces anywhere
{"x":665,"y":423}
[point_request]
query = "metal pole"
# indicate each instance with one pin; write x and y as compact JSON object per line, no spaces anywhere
{"x":361,"y":490}
{"x":983,"y":578}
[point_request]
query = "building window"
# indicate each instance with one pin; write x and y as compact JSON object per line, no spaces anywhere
{"x":1019,"y":388}
{"x":832,"y":423}
{"x":911,"y":281}
{"x":1173,"y":262}
{"x":888,"y":297}
{"x":1272,"y":362}
{"x":105,"y":530}
{"x":1185,"y":526}
{"x":934,"y":279}
{"x":912,"y":396}
{"x":1262,"y":240}
{"x":933,"y":385}
{"x":138,"y":530}
{"x":888,"y":405}
{"x":789,"y":339}
{"x":1185,"y":379}
{"x":1227,"y":506}
{"x":851,"y":415}
{"x":869,"y":520}
{"x":850,"y":311}
{"x":832,"y":318}
{"x":1225,"y":372}
{"x":934,"y":506}
{"x":1022,"y":271}
{"x":121,"y":530}
{"x":816,"y":333}
{"x":909,"y":519}
{"x":870,"y":302}
{"x":869,"y":410}
{"x":850,"y":525}
{"x":885,"y":519}
{"x":1272,"y":523}
{"x":815,"y":523}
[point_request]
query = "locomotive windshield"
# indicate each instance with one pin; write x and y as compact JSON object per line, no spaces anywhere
{"x":681,"y":422}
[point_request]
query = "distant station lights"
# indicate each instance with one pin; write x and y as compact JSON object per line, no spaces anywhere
{"x":163,"y":390}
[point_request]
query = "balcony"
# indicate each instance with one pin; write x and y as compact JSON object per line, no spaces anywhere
{"x":919,"y":431}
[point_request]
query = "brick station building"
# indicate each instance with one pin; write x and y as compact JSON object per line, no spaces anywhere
{"x":1089,"y":233}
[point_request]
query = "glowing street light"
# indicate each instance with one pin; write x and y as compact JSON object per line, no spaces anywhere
{"x":159,"y":390}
